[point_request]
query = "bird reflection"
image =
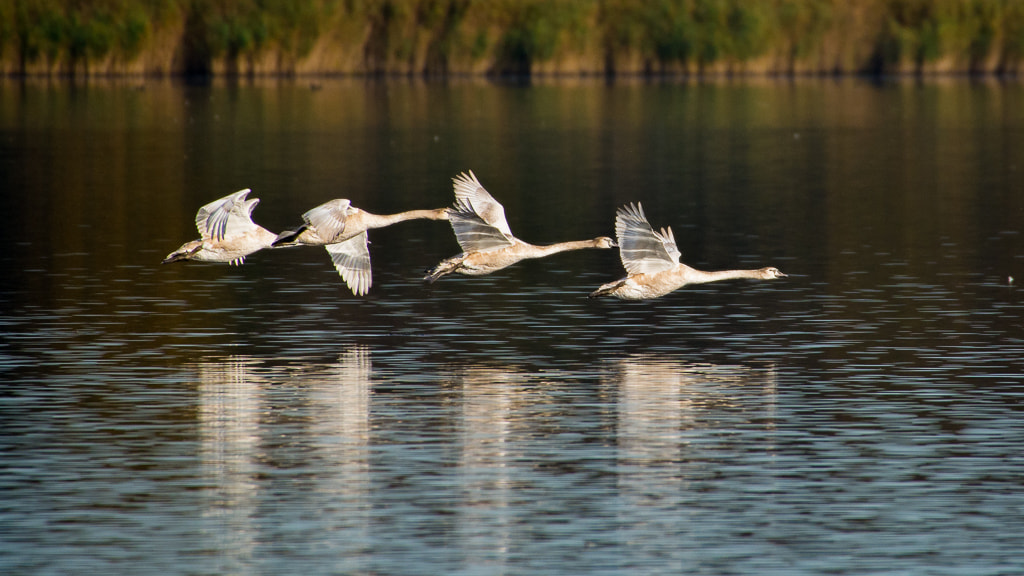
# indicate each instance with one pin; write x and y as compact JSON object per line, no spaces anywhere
{"x":229,"y":408}
{"x":326,"y":432}
{"x":340,"y":423}
{"x":671,"y":418}
{"x":343,"y":397}
{"x":490,"y":396}
{"x":656,"y":391}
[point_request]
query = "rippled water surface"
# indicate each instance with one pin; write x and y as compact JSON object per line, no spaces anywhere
{"x":863,"y":416}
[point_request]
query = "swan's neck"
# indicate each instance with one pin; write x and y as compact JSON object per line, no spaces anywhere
{"x":694,"y":276}
{"x":382,"y":220}
{"x":542,"y":251}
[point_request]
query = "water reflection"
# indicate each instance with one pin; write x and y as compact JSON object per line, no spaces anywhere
{"x":511,"y":424}
{"x":340,"y":425}
{"x":230,"y":398}
{"x":486,"y":461}
{"x":661,"y":398}
{"x":252,"y":429}
{"x":676,"y":424}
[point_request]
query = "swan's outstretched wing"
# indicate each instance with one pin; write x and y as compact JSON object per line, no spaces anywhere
{"x":328,"y":219}
{"x":472,"y":199}
{"x":227,"y":216}
{"x":352,"y":260}
{"x":473,"y":232}
{"x":641,"y":249}
{"x":240,"y":220}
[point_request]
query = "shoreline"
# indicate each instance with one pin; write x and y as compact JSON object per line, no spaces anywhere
{"x":537,"y":78}
{"x":512,"y":38}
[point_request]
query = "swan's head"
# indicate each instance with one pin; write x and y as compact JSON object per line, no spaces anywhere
{"x":604,"y":242}
{"x":771,"y":273}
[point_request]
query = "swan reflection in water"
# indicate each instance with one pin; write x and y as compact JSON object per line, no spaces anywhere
{"x":229,"y":433}
{"x":660,"y":398}
{"x":674,"y":418}
{"x":339,"y":414}
{"x":491,"y":429}
{"x":240,"y":442}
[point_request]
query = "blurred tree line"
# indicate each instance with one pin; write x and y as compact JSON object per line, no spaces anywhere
{"x":445,"y":37}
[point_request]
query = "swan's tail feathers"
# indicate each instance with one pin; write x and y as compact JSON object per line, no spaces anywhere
{"x":288,"y":237}
{"x":443,"y":269}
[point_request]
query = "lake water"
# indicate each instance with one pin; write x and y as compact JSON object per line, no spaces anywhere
{"x":863,"y":416}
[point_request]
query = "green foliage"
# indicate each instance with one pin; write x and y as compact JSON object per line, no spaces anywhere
{"x":479,"y":47}
{"x":748,"y":30}
{"x":88,"y":37}
{"x":536,"y":29}
{"x":432,"y":13}
{"x":245,"y":27}
{"x":985,"y":18}
{"x":514,"y":35}
{"x":915,"y":31}
{"x":1013,"y":31}
{"x":923,"y":31}
{"x":132,"y":32}
{"x":803,"y":24}
{"x":624,"y":27}
{"x":691,"y":31}
{"x":83,"y":31}
{"x":8,"y":30}
{"x":710,"y":19}
{"x":671,"y":30}
{"x":86,"y":31}
{"x":445,"y":19}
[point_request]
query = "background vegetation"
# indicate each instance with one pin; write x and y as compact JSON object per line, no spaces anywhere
{"x":437,"y":37}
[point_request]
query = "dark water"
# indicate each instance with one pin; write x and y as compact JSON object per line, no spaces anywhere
{"x":863,"y":416}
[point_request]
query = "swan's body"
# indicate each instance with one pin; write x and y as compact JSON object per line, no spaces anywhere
{"x":338,"y":220}
{"x":486,"y":240}
{"x":651,"y":260}
{"x":479,"y":263}
{"x":341,"y":229}
{"x":227,"y":232}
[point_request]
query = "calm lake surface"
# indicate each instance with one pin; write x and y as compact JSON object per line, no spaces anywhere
{"x":863,"y":416}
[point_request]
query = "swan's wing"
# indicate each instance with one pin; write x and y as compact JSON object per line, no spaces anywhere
{"x":352,"y":260}
{"x":473,"y":232}
{"x":669,"y":241}
{"x":641,"y":249}
{"x":328,"y":219}
{"x":471,"y":193}
{"x":213,"y":220}
{"x":240,"y":218}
